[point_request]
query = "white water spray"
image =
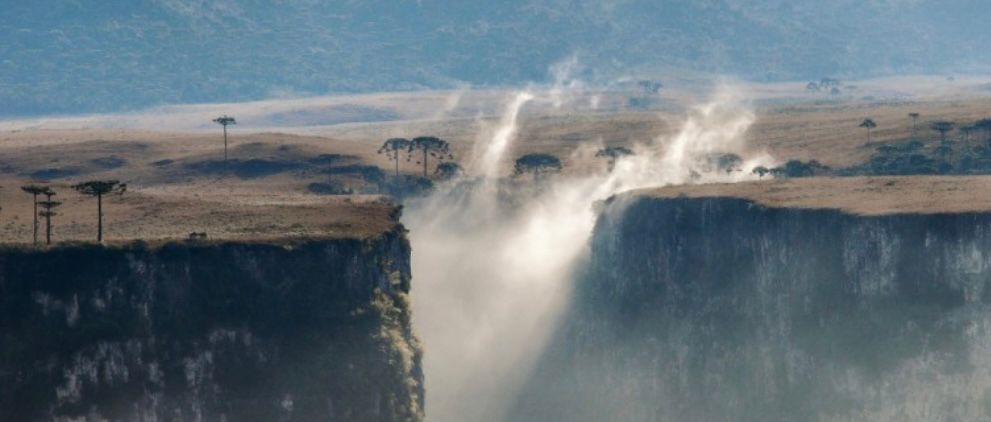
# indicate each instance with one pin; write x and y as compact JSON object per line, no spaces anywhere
{"x":493,"y":149}
{"x":492,"y":264}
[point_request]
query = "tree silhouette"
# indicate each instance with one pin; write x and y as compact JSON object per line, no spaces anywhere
{"x":448,"y":170}
{"x":391,"y":149}
{"x":98,"y":188}
{"x":224,"y":121}
{"x":613,"y":154}
{"x":36,"y":190}
{"x":537,"y":165}
{"x":942,"y":126}
{"x":812,"y":87}
{"x":868,"y":124}
{"x":48,"y":211}
{"x":915,"y":121}
{"x":761,"y":171}
{"x":430,"y":147}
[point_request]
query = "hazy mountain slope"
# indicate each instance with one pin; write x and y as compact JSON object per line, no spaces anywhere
{"x":88,"y":55}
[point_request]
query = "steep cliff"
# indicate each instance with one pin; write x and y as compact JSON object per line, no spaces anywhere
{"x":314,"y":329}
{"x":720,"y":309}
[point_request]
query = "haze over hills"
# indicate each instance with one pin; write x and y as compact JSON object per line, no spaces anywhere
{"x":98,"y":56}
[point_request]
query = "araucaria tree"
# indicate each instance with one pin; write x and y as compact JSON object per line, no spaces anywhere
{"x":537,"y":165}
{"x":915,"y":121}
{"x":612,"y":154}
{"x":224,"y":121}
{"x":942,"y":127}
{"x":430,"y":146}
{"x":48,"y":211}
{"x":36,"y":190}
{"x":392,"y":148}
{"x":98,"y":188}
{"x":869,"y":124}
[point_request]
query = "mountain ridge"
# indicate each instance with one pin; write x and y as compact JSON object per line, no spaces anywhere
{"x":88,"y":56}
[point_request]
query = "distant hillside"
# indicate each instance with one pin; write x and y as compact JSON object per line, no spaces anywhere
{"x":97,"y":55}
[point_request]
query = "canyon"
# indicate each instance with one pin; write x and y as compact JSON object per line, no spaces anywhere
{"x":725,"y":308}
{"x":657,"y":287}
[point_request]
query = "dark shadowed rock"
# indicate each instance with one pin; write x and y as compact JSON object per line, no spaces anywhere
{"x":718,"y":309}
{"x":314,"y":330}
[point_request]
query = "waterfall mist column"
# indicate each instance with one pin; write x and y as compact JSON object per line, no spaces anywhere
{"x":493,"y":258}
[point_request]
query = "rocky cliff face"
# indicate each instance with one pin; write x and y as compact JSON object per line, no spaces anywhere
{"x":315,"y":330}
{"x":718,"y":309}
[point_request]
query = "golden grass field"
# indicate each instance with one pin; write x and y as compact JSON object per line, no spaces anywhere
{"x":855,"y":195}
{"x":166,"y":199}
{"x":168,"y":202}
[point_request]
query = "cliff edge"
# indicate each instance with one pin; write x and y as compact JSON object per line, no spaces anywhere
{"x":313,"y":329}
{"x":771,"y":304}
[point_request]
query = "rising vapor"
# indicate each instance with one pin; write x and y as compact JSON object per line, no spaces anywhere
{"x":493,"y":258}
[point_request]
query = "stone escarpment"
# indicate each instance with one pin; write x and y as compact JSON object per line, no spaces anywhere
{"x":310,"y":330}
{"x":717,"y":309}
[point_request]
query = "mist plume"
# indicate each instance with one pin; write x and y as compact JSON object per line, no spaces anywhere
{"x":492,"y":259}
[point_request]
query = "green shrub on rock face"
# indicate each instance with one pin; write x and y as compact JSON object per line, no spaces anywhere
{"x":401,"y":351}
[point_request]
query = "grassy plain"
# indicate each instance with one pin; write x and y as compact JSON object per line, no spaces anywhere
{"x":178,"y":183}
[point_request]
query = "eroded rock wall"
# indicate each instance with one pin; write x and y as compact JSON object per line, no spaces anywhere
{"x":722,"y":310}
{"x":316,"y":330}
